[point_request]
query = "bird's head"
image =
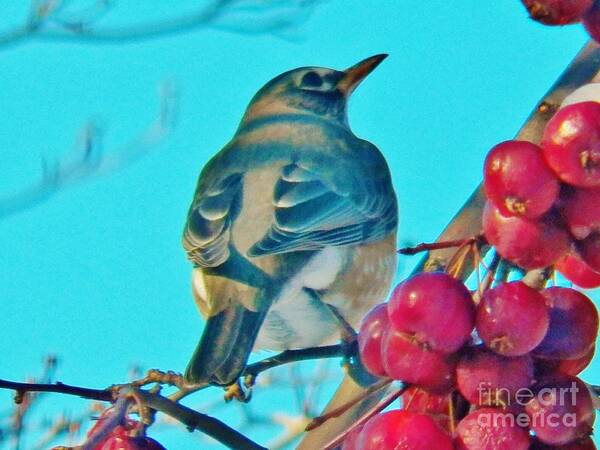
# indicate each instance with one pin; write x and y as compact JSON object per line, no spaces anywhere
{"x":310,"y":90}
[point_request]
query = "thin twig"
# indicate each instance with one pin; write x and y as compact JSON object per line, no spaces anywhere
{"x":105,"y":395}
{"x":428,"y":246}
{"x":194,"y":420}
{"x":289,"y":356}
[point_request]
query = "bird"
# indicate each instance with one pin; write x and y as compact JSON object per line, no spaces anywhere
{"x":292,"y":228}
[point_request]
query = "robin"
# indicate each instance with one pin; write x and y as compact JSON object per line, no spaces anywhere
{"x":292,"y":225}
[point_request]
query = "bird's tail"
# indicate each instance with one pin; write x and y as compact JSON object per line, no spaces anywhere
{"x":225,"y":345}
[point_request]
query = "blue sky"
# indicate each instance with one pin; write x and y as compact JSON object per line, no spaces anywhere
{"x":96,"y":274}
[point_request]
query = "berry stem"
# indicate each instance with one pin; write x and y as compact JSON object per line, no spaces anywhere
{"x":426,"y":246}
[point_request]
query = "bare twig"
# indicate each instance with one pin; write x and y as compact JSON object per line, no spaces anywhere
{"x":426,"y":246}
{"x":194,"y":420}
{"x":105,"y":395}
{"x":50,"y":22}
{"x":88,"y":160}
{"x":288,"y":356}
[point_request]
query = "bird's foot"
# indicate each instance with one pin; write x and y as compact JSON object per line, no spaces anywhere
{"x":236,"y":391}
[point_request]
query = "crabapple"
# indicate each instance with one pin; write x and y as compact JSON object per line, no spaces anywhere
{"x":369,"y":339}
{"x":512,"y":318}
{"x":530,"y":244}
{"x":571,"y":144}
{"x":573,"y":325}
{"x":436,"y":308}
{"x":509,"y":183}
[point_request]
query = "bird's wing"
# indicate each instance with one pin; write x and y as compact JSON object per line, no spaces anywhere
{"x":313,"y":211}
{"x":207,"y":232}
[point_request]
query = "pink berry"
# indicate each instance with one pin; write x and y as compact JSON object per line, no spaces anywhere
{"x":573,"y":325}
{"x":566,"y":366}
{"x":577,"y":271}
{"x":581,"y":210}
{"x":369,"y":339}
{"x":561,"y":411}
{"x":486,"y":378}
{"x":591,"y":21}
{"x":403,"y":430}
{"x":491,"y":429}
{"x":589,"y":249}
{"x":518,"y":181}
{"x":530,"y":244}
{"x":436,"y":308}
{"x":557,"y":12}
{"x":124,"y":442}
{"x":408,"y":360}
{"x":571,"y":144}
{"x":512,"y":319}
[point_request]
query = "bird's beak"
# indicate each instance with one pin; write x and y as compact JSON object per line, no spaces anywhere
{"x":355,"y":74}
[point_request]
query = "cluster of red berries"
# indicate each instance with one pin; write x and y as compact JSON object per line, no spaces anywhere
{"x":544,"y":201}
{"x":565,"y":12}
{"x":125,"y":436}
{"x":482,"y":376}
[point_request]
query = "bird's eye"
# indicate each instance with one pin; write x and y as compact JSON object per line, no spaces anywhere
{"x":311,"y":80}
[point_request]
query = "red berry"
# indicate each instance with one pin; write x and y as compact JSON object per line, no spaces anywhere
{"x":577,"y":271}
{"x":369,"y":339}
{"x":124,"y":442}
{"x":518,"y":181}
{"x":567,"y":366}
{"x":530,"y":244}
{"x":581,"y":210}
{"x":573,"y":325}
{"x":580,"y":444}
{"x":403,"y":430}
{"x":436,"y":308}
{"x":486,"y":378}
{"x":591,"y":21}
{"x":512,"y":319}
{"x":557,"y":12}
{"x":561,"y":411}
{"x":571,"y":144}
{"x":491,"y":429}
{"x":351,"y":439}
{"x":408,"y":360}
{"x":589,"y":249}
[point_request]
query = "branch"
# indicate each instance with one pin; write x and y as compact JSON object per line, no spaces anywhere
{"x":467,"y":222}
{"x":106,"y":395}
{"x":290,"y":356}
{"x":194,"y":420}
{"x":47,"y":22}
{"x":88,"y":160}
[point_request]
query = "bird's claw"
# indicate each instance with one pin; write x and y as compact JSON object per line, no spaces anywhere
{"x":236,"y":391}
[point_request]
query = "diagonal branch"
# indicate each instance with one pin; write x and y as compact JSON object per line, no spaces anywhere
{"x":467,"y":222}
{"x":89,"y":160}
{"x":47,"y":22}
